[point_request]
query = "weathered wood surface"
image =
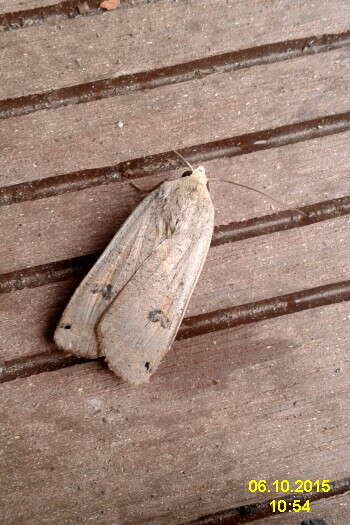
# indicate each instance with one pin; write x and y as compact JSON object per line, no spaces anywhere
{"x":219,"y":106}
{"x":264,"y":400}
{"x":221,"y":411}
{"x":28,"y":319}
{"x":297,"y":174}
{"x":70,"y":7}
{"x":9,"y":6}
{"x":132,"y":39}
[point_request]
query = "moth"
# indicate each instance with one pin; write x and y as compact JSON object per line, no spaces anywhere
{"x":130,"y":305}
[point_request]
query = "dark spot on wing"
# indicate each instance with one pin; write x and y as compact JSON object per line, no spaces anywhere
{"x":148,"y":366}
{"x":105,"y":290}
{"x":157,"y":316}
{"x":154,"y":315}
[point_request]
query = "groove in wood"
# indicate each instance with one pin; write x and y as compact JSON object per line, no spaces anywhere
{"x":61,"y":270}
{"x":178,"y":73}
{"x":141,"y":167}
{"x":200,"y":324}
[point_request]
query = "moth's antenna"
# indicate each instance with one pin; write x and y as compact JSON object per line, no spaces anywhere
{"x":280,"y":203}
{"x":183,"y":158}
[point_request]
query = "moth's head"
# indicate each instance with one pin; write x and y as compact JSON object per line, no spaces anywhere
{"x":197,"y":174}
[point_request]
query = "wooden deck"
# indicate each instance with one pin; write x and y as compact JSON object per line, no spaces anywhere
{"x":257,"y":383}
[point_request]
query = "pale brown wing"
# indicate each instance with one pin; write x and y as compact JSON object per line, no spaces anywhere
{"x":140,"y":325}
{"x":133,"y":243}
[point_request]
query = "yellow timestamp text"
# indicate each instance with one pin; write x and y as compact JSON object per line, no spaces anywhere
{"x":296,"y":505}
{"x":289,"y":487}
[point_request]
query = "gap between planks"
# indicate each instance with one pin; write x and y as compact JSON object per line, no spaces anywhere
{"x":61,"y":10}
{"x":301,"y":174}
{"x":243,"y":421}
{"x":45,"y":142}
{"x":202,"y":324}
{"x":147,"y":33}
{"x":166,"y":161}
{"x":200,"y":68}
{"x":235,"y":231}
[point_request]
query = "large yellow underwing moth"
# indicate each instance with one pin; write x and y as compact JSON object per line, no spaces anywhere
{"x":130,"y":305}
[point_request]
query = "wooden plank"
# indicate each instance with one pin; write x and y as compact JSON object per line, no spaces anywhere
{"x":9,"y":6}
{"x":28,"y":330}
{"x":83,"y":222}
{"x":234,"y":274}
{"x":219,"y":106}
{"x":272,"y":265}
{"x":333,"y":511}
{"x":220,"y":411}
{"x":223,"y":407}
{"x":151,"y":36}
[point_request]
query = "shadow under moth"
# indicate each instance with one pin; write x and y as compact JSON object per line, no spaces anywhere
{"x":130,"y":305}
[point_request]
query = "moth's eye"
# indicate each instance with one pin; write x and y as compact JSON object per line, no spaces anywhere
{"x":187,"y":173}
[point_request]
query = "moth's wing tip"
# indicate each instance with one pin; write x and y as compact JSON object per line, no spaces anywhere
{"x":71,"y":344}
{"x":131,"y":374}
{"x":61,"y":341}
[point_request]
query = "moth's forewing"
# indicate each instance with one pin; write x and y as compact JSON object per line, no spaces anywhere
{"x":141,"y":323}
{"x":132,"y":244}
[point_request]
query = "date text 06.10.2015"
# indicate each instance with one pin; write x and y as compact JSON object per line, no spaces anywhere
{"x":298,"y":486}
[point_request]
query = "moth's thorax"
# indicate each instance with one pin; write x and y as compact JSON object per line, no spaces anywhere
{"x":199,"y":175}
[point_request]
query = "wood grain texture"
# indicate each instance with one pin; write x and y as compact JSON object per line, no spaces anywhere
{"x":149,"y":36}
{"x":88,"y":135}
{"x":234,"y":274}
{"x":9,"y":6}
{"x":268,"y":399}
{"x":28,"y":322}
{"x":83,"y":222}
{"x":220,"y":411}
{"x":334,"y":511}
